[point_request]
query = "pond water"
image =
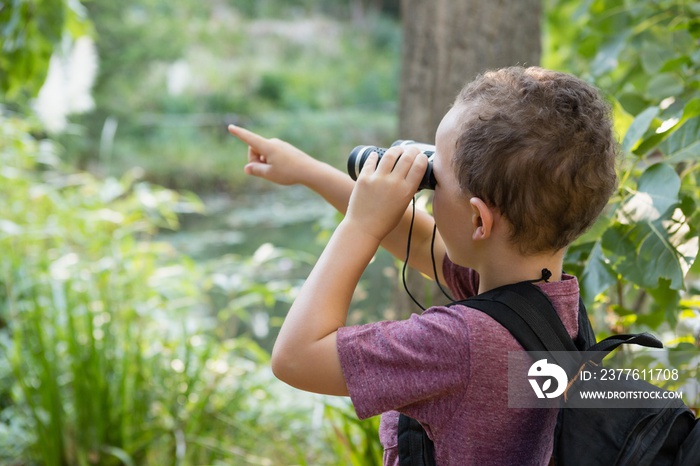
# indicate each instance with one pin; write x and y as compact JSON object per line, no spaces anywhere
{"x":288,"y":218}
{"x":292,"y":218}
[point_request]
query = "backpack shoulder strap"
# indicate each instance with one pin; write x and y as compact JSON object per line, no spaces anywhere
{"x":597,"y":352}
{"x":586,"y":336}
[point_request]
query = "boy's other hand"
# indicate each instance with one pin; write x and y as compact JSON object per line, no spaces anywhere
{"x":273,"y":159}
{"x":383,"y":191}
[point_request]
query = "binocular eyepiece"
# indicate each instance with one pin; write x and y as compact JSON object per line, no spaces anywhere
{"x":358,"y":157}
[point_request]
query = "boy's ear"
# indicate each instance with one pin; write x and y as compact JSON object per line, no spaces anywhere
{"x":482,"y":219}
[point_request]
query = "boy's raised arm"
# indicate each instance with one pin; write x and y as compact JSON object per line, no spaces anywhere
{"x":305,"y":353}
{"x":282,"y":163}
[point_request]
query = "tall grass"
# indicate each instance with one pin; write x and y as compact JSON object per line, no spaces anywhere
{"x":353,"y":441}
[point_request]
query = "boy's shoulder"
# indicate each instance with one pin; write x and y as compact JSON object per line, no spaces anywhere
{"x":564,"y":296}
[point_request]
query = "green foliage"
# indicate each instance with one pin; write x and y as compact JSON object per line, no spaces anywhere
{"x":354,"y":441}
{"x":271,"y":75}
{"x":131,"y":36}
{"x":109,"y":352}
{"x":644,"y":55}
{"x":29,"y":31}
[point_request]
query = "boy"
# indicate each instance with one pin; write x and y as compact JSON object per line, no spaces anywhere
{"x":524,"y":164}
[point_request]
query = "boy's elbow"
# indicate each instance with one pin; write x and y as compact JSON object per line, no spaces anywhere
{"x":277,"y":365}
{"x":291,"y":367}
{"x":307,"y":368}
{"x":282,"y":364}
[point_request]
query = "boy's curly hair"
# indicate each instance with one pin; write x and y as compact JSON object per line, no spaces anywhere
{"x":538,"y":146}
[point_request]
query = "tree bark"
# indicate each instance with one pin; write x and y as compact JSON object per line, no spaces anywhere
{"x":447,"y":43}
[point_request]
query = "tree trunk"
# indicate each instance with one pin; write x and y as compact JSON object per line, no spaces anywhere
{"x":447,"y":43}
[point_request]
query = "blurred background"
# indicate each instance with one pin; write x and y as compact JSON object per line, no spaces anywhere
{"x":143,"y":276}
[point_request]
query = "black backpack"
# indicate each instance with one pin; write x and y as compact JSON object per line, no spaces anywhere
{"x":667,"y":435}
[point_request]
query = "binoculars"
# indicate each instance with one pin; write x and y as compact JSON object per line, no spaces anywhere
{"x":358,"y":157}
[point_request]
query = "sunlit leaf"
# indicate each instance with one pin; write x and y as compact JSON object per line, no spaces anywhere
{"x":638,"y":127}
{"x":657,"y":192}
{"x":691,"y":110}
{"x":646,"y":252}
{"x":683,"y":145}
{"x":607,"y":57}
{"x":622,"y":120}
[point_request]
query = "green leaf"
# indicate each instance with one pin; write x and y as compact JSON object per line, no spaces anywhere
{"x":664,"y":85}
{"x":595,"y":232}
{"x":597,"y":275}
{"x":690,"y":111}
{"x":637,"y":129}
{"x":622,"y":119}
{"x":652,"y":319}
{"x":691,"y":152}
{"x":683,"y":138}
{"x":607,"y":57}
{"x":633,"y":103}
{"x":646,"y":252}
{"x":677,"y":64}
{"x":657,"y":192}
{"x":666,"y":302}
{"x":653,"y":56}
{"x":622,"y":311}
{"x":120,"y":454}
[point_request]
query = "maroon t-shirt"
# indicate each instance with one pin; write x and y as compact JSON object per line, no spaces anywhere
{"x":447,"y":368}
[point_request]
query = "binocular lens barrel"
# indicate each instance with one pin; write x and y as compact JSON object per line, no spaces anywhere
{"x":358,"y":157}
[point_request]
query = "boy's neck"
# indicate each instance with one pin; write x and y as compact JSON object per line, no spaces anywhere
{"x":504,"y":269}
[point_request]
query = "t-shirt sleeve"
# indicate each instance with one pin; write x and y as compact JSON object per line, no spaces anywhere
{"x":391,"y":365}
{"x":463,"y":281}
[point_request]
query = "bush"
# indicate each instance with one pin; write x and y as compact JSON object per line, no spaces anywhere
{"x":638,"y":263}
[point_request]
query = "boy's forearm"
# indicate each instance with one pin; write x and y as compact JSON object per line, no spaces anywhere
{"x":331,"y":184}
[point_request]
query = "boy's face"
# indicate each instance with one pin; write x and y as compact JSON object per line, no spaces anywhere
{"x":451,"y":207}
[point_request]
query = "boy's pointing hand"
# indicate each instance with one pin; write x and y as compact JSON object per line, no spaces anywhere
{"x":273,"y":159}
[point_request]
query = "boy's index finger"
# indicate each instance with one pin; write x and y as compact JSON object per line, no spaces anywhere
{"x":249,"y":137}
